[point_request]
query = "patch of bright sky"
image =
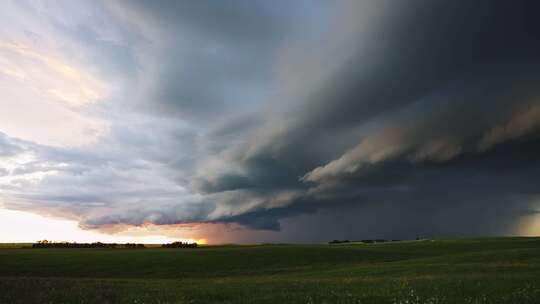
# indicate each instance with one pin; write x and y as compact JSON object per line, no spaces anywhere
{"x":23,"y":227}
{"x":42,"y":97}
{"x":530,"y":224}
{"x":49,"y":75}
{"x":46,"y":82}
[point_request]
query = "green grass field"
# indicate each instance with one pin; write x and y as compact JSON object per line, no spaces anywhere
{"x":494,"y":270}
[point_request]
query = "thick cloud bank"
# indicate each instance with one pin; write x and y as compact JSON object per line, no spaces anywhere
{"x":314,"y":120}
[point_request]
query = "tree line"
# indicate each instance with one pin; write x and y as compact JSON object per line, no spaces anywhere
{"x":180,"y":245}
{"x":362,"y":241}
{"x":49,"y":244}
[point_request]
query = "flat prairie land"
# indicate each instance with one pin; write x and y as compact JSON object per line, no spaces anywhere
{"x":489,"y":270}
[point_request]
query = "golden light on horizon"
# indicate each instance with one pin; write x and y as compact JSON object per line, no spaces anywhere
{"x":24,"y":227}
{"x":530,"y":225}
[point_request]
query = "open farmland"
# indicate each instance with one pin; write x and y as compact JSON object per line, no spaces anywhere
{"x":496,"y":270}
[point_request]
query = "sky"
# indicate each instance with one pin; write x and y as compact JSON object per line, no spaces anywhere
{"x":268,"y":121}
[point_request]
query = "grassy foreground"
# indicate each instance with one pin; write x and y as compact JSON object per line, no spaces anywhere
{"x":494,"y":270}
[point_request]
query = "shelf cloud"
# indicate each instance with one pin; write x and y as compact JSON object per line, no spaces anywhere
{"x":280,"y":121}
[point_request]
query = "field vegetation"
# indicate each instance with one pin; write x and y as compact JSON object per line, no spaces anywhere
{"x":491,"y":270}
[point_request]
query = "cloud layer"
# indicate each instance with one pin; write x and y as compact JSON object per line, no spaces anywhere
{"x":293,"y":121}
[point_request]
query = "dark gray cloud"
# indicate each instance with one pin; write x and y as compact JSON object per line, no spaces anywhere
{"x":438,"y":84}
{"x":211,"y":57}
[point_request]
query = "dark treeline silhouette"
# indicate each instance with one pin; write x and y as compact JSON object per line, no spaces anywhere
{"x":180,"y":245}
{"x":362,"y":241}
{"x":378,"y":241}
{"x":48,"y":244}
{"x":133,"y":245}
{"x":338,"y":241}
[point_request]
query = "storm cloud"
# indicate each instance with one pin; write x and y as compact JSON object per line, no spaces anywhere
{"x":299,"y":121}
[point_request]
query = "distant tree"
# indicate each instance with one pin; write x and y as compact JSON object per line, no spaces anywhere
{"x":338,"y":241}
{"x":179,"y":245}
